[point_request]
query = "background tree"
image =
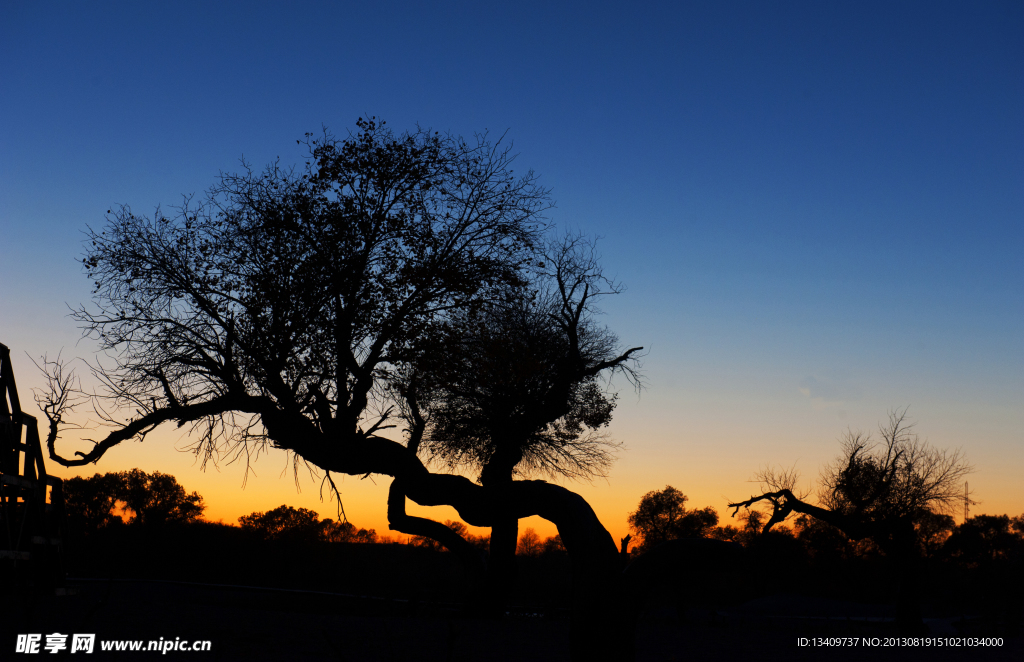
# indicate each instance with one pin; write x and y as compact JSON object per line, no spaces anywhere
{"x":284,"y":523}
{"x":90,"y":503}
{"x":662,"y":516}
{"x":988,"y":552}
{"x":157,"y":498}
{"x":347,"y":532}
{"x":153,"y":499}
{"x":552,"y":545}
{"x":933,"y":530}
{"x":877,"y":491}
{"x":530,"y":543}
{"x":985,"y":538}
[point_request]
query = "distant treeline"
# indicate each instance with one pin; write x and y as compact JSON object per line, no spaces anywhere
{"x":134,"y":524}
{"x":976,"y":567}
{"x":662,"y":515}
{"x":134,"y":497}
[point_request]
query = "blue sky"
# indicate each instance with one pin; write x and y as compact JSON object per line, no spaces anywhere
{"x":816,"y":209}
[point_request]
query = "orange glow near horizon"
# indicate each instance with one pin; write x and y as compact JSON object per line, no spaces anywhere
{"x":711,"y":462}
{"x":272,"y":483}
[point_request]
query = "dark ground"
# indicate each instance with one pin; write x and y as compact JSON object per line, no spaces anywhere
{"x":397,"y":602}
{"x":271,"y":624}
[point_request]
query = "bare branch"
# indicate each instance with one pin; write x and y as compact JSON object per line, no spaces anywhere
{"x":63,"y":393}
{"x":142,"y":426}
{"x":873,"y":488}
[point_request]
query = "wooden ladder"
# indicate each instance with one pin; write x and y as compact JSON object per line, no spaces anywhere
{"x":31,"y":502}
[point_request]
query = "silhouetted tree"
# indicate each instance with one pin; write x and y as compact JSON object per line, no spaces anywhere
{"x":662,"y":516}
{"x":933,"y":529}
{"x":984,"y":539}
{"x":274,"y":312}
{"x":529,"y":543}
{"x":90,"y":502}
{"x":552,"y":545}
{"x":989,"y":552}
{"x":285,"y":523}
{"x":347,"y":532}
{"x":877,"y":491}
{"x":155,"y":498}
{"x":510,"y":389}
{"x":1017,"y":525}
{"x":302,"y":524}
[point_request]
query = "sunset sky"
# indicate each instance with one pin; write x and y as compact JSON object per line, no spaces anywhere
{"x":817,"y":210}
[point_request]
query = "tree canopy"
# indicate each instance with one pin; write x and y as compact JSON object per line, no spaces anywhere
{"x":302,"y":525}
{"x":662,"y":515}
{"x":512,"y":387}
{"x":142,"y":498}
{"x":284,"y":523}
{"x":286,"y":296}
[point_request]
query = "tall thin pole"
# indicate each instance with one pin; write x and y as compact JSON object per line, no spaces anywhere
{"x":967,"y":503}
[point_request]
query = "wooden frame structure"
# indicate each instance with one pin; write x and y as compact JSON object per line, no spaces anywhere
{"x":31,"y":501}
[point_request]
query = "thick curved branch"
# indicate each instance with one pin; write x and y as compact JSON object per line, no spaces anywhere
{"x":585,"y":538}
{"x":399,"y":520}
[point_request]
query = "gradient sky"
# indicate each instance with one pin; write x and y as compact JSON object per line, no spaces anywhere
{"x":818,"y":210}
